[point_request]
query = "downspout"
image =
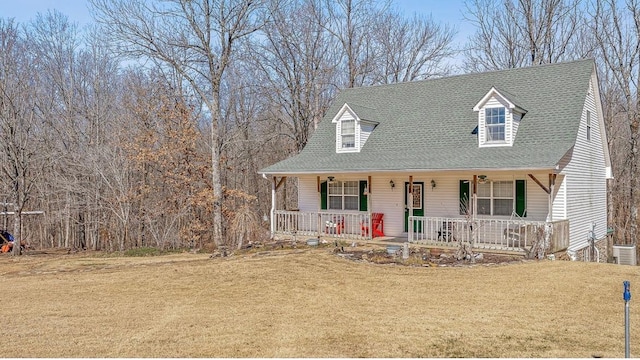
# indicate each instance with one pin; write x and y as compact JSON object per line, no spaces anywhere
{"x":272,"y":212}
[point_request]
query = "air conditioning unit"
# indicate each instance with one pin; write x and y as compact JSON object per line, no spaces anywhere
{"x":625,"y":254}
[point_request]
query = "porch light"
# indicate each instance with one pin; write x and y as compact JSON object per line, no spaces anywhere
{"x":433,"y":183}
{"x":330,"y":178}
{"x":392,"y":184}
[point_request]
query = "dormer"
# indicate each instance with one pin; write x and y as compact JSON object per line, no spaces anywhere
{"x":354,"y":124}
{"x":498,"y":119}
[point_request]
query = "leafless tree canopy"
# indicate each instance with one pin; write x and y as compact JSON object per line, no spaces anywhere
{"x":148,"y":127}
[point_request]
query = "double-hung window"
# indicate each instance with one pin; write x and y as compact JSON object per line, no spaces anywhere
{"x":495,"y":124}
{"x":495,"y":198}
{"x":348,"y":132}
{"x":343,"y":195}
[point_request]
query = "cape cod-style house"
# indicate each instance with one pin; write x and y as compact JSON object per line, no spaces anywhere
{"x":501,"y":159}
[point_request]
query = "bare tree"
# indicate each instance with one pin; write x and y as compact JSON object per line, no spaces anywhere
{"x":617,"y":30}
{"x":349,"y":22}
{"x":515,"y":33}
{"x":296,"y":61}
{"x":197,"y":39}
{"x":411,"y":49}
{"x":18,"y":122}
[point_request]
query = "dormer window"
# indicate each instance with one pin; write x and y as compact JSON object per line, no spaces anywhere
{"x":348,"y":134}
{"x":495,"y":124}
{"x":353,"y":127}
{"x":499,"y":117}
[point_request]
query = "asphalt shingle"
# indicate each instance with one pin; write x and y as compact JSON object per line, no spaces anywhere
{"x":427,"y":125}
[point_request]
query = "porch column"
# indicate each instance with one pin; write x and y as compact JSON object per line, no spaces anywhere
{"x":319,"y":207}
{"x":410,"y":205}
{"x":474,"y":206}
{"x":552,"y":185}
{"x":272,"y":225}
{"x":369,"y":219}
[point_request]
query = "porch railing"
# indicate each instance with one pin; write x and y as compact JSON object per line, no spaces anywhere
{"x":327,"y":224}
{"x":491,"y":234}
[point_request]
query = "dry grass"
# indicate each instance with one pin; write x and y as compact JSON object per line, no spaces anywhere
{"x":309,"y":303}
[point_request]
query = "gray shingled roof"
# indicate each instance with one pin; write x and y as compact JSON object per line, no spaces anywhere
{"x":427,"y":125}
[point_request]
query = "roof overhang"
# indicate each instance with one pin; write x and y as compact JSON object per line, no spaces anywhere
{"x":407,"y":171}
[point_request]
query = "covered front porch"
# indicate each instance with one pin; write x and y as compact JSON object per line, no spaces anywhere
{"x":486,"y":234}
{"x":499,"y":211}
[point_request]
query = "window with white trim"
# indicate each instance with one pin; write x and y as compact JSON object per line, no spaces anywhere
{"x":343,"y":195}
{"x":495,"y":198}
{"x":495,"y":124}
{"x":348,"y":133}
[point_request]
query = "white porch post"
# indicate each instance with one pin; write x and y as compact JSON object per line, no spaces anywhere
{"x":319,"y":207}
{"x":474,"y":204}
{"x":272,"y":226}
{"x":552,"y":185}
{"x":410,"y":205}
{"x":369,"y":219}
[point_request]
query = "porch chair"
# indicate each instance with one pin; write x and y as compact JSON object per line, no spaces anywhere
{"x":376,"y":223}
{"x":446,"y":231}
{"x":335,"y":225}
{"x":514,"y":233}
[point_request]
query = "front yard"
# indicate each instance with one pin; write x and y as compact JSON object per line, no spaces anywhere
{"x":310,"y":302}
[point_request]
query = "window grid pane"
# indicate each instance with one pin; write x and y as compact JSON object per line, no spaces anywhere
{"x":335,"y":188}
{"x":343,"y":195}
{"x":503,"y":189}
{"x":496,"y":193}
{"x":484,"y":190}
{"x":502,"y":206}
{"x":495,"y":124}
{"x":348,"y":127}
{"x":335,"y":202}
{"x":351,"y":188}
{"x":351,"y":203}
{"x":484,"y":206}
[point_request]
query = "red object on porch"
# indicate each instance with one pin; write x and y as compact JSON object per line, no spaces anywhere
{"x":376,"y":223}
{"x":336,"y":226}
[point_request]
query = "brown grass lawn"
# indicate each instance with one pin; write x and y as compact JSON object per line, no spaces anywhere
{"x":310,"y":303}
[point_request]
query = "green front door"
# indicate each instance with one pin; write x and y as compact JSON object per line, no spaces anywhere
{"x":417,"y":201}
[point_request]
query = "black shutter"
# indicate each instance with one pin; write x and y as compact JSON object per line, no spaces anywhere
{"x":323,"y":195}
{"x":521,"y":201}
{"x":363,"y":196}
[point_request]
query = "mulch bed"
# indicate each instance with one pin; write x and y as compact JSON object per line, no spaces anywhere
{"x":378,"y":254}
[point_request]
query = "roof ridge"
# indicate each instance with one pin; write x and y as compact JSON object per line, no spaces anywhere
{"x":517,"y":69}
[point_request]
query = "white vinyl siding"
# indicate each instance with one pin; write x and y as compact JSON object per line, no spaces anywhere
{"x":365,"y":131}
{"x":586,"y":180}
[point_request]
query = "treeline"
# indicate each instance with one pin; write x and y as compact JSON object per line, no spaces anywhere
{"x":148,"y":127}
